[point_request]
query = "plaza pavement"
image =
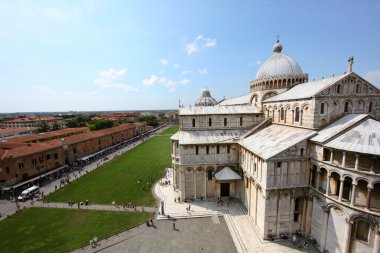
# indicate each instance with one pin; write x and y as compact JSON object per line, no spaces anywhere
{"x":240,"y":224}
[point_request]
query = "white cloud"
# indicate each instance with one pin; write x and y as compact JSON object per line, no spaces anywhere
{"x":164,"y":62}
{"x":176,"y":66}
{"x":151,"y":81}
{"x":171,"y":90}
{"x":185,"y":81}
{"x":198,"y":43}
{"x":258,"y":62}
{"x":170,"y":83}
{"x":185,"y":72}
{"x":203,"y":71}
{"x":45,"y":89}
{"x":108,"y":79}
{"x":373,"y":77}
{"x":191,"y":48}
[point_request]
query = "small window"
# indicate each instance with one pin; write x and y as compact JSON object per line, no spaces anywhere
{"x":99,"y":142}
{"x":247,"y":183}
{"x":176,"y":144}
{"x":196,"y":150}
{"x":362,"y":230}
{"x":207,"y":150}
{"x":209,"y":174}
{"x":209,"y":122}
{"x":297,"y":115}
{"x":48,"y":157}
{"x":338,"y":89}
{"x":228,"y":149}
{"x":7,"y":170}
{"x":279,"y":164}
{"x":55,"y":155}
{"x":357,"y":88}
{"x":241,"y":121}
{"x":282,"y":113}
{"x":346,"y":106}
{"x":20,"y":165}
{"x":75,"y":149}
{"x":370,"y":107}
{"x":193,"y":122}
{"x":225,"y":121}
{"x":217,"y":149}
{"x":301,"y":151}
{"x":322,"y":108}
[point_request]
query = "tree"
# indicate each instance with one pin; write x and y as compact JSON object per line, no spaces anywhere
{"x":150,"y":120}
{"x":42,"y":127}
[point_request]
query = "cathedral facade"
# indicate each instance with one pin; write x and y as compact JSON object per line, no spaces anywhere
{"x":300,"y":155}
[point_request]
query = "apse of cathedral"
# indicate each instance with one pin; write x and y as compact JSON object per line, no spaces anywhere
{"x":299,"y":155}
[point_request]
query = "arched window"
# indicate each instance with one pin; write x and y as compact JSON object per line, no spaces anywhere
{"x":297,"y":209}
{"x":256,"y":98}
{"x":370,"y":107}
{"x":297,"y":115}
{"x":338,"y":89}
{"x":322,"y":108}
{"x":193,"y":122}
{"x":357,"y":88}
{"x":301,"y":152}
{"x":282,"y":113}
{"x":346,"y":106}
{"x":362,"y":230}
{"x":241,"y":121}
{"x":209,"y":174}
{"x":209,"y":122}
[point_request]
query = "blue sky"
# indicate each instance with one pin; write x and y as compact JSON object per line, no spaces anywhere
{"x":131,"y":55}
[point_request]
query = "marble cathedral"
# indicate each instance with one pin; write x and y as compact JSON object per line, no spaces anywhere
{"x":299,"y":154}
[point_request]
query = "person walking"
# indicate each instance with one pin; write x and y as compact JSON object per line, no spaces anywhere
{"x":174,"y":226}
{"x":189,"y":207}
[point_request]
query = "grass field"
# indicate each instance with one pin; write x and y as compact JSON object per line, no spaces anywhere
{"x":118,"y":179}
{"x":61,"y":230}
{"x":171,"y":130}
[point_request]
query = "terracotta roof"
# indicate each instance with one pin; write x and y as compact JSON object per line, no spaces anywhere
{"x":51,"y":134}
{"x":96,"y":134}
{"x":33,"y":119}
{"x":31,"y":148}
{"x":16,"y":130}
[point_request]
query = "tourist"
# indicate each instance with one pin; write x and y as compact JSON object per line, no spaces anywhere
{"x":174,"y":226}
{"x":189,"y":207}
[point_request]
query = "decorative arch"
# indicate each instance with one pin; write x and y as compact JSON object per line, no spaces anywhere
{"x":368,"y":218}
{"x":305,"y":106}
{"x":269,"y":94}
{"x":339,"y":210}
{"x":253,"y":99}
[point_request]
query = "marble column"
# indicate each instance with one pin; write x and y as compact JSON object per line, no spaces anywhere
{"x":344,"y":159}
{"x":328,"y":185}
{"x":325,"y":224}
{"x":347,"y":236}
{"x":341,"y":189}
{"x":369,"y":194}
{"x":195,"y":182}
{"x":356,"y":162}
{"x":331,"y":155}
{"x":376,"y":244}
{"x":318,"y":175}
{"x":205,"y":187}
{"x":353,"y":192}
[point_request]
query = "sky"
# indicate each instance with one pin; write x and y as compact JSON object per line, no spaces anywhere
{"x":149,"y":55}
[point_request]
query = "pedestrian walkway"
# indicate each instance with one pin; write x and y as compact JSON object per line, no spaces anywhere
{"x":239,"y":223}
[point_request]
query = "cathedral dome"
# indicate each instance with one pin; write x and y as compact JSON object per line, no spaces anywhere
{"x":205,"y":99}
{"x":279,"y":65}
{"x":278,"y":72}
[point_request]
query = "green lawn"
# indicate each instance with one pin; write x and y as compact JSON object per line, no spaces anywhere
{"x":61,"y":230}
{"x":171,"y":130}
{"x":118,"y":180}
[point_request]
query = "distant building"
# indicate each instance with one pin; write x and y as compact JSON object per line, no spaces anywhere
{"x":50,"y":121}
{"x":7,"y":133}
{"x":29,"y":156}
{"x":299,"y":154}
